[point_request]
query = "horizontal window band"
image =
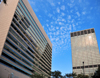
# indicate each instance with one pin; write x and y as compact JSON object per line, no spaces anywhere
{"x":82,"y":32}
{"x":87,"y":66}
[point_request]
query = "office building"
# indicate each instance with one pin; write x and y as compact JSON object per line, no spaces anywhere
{"x":85,"y":52}
{"x":25,"y":49}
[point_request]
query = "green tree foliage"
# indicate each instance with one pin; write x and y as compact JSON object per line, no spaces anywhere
{"x":74,"y":75}
{"x":71,"y":75}
{"x":97,"y":73}
{"x":82,"y":76}
{"x":56,"y":74}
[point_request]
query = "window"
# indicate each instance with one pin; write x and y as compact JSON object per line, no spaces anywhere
{"x":74,"y":67}
{"x":75,"y":34}
{"x":85,"y":32}
{"x":90,"y":66}
{"x":78,"y":33}
{"x":78,"y":67}
{"x":86,"y":66}
{"x":82,"y":67}
{"x":95,"y":65}
{"x":81,"y":32}
{"x":92,"y":30}
{"x":71,"y":34}
{"x":88,"y":31}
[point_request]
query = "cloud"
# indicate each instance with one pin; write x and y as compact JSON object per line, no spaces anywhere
{"x":62,"y":28}
{"x":62,"y":14}
{"x":51,"y":2}
{"x":89,"y":17}
{"x":72,"y":1}
{"x":72,"y":21}
{"x":57,"y":27}
{"x":51,"y":22}
{"x":80,"y":1}
{"x":62,"y":0}
{"x":78,"y":14}
{"x":76,"y":23}
{"x":74,"y":26}
{"x":64,"y":20}
{"x":83,"y":13}
{"x":59,"y":3}
{"x":62,"y":7}
{"x":53,"y":18}
{"x":59,"y":18}
{"x":32,"y":2}
{"x":91,"y":8}
{"x":60,"y":23}
{"x":51,"y":29}
{"x":57,"y":33}
{"x":50,"y":15}
{"x":70,"y":5}
{"x":47,"y":25}
{"x":58,"y":10}
{"x":69,"y":28}
{"x":36,"y":10}
{"x":69,"y":17}
{"x":47,"y":20}
{"x":57,"y":39}
{"x":71,"y":11}
{"x":69,"y":21}
{"x":39,"y":15}
{"x":52,"y":39}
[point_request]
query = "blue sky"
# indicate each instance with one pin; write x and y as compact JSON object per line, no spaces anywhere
{"x":59,"y":18}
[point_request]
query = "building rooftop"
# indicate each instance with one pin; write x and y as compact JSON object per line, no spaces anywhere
{"x":82,"y":32}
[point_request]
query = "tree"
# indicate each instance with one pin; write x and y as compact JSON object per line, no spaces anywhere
{"x":56,"y":74}
{"x":82,"y":76}
{"x":74,"y":75}
{"x":71,"y":75}
{"x":97,"y":73}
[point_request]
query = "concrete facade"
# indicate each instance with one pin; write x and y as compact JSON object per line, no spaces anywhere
{"x":85,"y":52}
{"x":25,"y":49}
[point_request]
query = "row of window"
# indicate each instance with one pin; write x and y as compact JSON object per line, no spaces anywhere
{"x":34,"y":22}
{"x":20,"y":34}
{"x":23,"y":42}
{"x":88,"y":66}
{"x":33,"y":26}
{"x":82,"y":32}
{"x":29,"y":30}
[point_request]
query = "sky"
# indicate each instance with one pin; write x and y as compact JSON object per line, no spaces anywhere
{"x":61,"y":17}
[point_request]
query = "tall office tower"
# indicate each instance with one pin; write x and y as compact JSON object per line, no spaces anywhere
{"x":85,"y":52}
{"x":25,"y":49}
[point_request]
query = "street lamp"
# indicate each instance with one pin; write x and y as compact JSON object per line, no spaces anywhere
{"x":83,"y":67}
